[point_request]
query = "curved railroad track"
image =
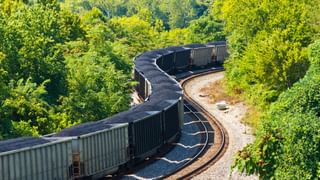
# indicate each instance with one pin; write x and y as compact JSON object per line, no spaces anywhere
{"x":210,"y":153}
{"x":213,"y":143}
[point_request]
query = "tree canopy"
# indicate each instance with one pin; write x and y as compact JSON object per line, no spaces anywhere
{"x":288,"y":141}
{"x":68,"y":62}
{"x":272,"y":67}
{"x":174,"y":13}
{"x":55,"y":70}
{"x":267,"y":41}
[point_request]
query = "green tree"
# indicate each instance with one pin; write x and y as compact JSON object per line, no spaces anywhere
{"x":269,"y":66}
{"x":207,"y":29}
{"x":95,"y":88}
{"x":287,"y":143}
{"x":180,"y":12}
{"x":26,"y":108}
{"x":33,"y":39}
{"x":287,"y":27}
{"x":137,"y":34}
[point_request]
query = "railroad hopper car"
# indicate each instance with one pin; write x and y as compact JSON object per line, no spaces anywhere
{"x":145,"y":132}
{"x":95,"y":149}
{"x":170,"y":118}
{"x":200,"y":54}
{"x":32,"y":158}
{"x":182,"y":57}
{"x":143,"y":89}
{"x":166,"y":61}
{"x":219,"y":51}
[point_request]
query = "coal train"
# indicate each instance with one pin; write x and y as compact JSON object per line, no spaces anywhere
{"x":95,"y":149}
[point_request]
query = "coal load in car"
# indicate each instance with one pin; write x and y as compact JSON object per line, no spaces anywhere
{"x":157,"y":78}
{"x":150,"y":55}
{"x":153,"y":73}
{"x":81,"y":129}
{"x":146,"y":68}
{"x":166,"y":85}
{"x":182,"y":57}
{"x":20,"y":143}
{"x":144,"y":60}
{"x":145,"y":131}
{"x":195,"y":45}
{"x":165,"y":94}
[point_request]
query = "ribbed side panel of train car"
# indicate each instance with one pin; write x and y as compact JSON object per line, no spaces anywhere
{"x":181,"y":57}
{"x":141,"y":88}
{"x":148,"y":89}
{"x":147,"y":134}
{"x":166,"y":62}
{"x":102,"y":152}
{"x":136,"y":78}
{"x":201,"y":56}
{"x":50,"y":161}
{"x":171,"y":121}
{"x":181,"y":112}
{"x":221,"y":53}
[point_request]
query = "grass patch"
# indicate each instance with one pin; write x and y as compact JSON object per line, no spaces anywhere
{"x":217,"y":91}
{"x":252,"y":118}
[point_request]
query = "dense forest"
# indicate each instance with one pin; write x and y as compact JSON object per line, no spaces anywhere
{"x":275,"y":67}
{"x":67,"y":62}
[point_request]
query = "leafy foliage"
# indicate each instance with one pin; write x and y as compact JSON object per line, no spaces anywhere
{"x":268,"y":41}
{"x":207,"y":29}
{"x":174,"y":13}
{"x":270,"y":68}
{"x":95,"y":89}
{"x":43,"y":57}
{"x":287,"y":144}
{"x":68,"y":62}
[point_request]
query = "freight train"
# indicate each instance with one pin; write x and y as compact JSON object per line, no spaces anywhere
{"x":95,"y":149}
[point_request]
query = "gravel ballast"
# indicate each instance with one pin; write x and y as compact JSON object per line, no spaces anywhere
{"x":239,"y":134}
{"x":183,"y":150}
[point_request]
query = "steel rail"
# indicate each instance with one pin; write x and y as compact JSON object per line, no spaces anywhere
{"x":188,"y":101}
{"x":223,"y":133}
{"x":200,"y":152}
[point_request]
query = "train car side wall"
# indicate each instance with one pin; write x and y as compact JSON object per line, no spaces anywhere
{"x":181,"y":112}
{"x":171,"y":120}
{"x":102,"y":152}
{"x":182,"y":59}
{"x":166,"y":62}
{"x":51,"y":162}
{"x":221,"y":53}
{"x":147,"y":135}
{"x":201,"y":56}
{"x":148,"y":89}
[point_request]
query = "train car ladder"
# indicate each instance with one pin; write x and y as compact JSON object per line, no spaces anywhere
{"x":76,"y":165}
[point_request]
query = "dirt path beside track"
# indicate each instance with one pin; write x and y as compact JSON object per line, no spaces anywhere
{"x":239,"y":134}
